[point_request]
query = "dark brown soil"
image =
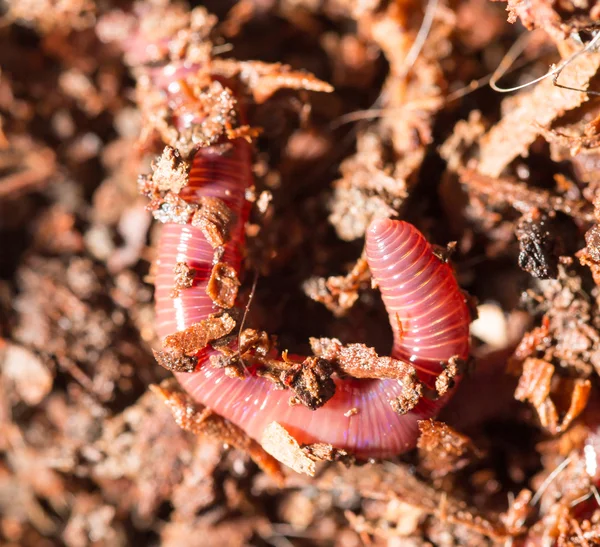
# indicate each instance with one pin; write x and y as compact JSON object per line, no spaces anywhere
{"x":97,"y":444}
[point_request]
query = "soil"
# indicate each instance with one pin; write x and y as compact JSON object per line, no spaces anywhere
{"x":356,"y":110}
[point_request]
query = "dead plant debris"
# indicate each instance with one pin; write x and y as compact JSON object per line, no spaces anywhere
{"x":223,"y":285}
{"x":310,"y":381}
{"x":535,"y":386}
{"x":191,"y":340}
{"x":349,"y":108}
{"x":184,"y":278}
{"x":444,"y":450}
{"x":203,"y":421}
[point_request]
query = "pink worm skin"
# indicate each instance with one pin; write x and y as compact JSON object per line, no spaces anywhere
{"x":427,"y":310}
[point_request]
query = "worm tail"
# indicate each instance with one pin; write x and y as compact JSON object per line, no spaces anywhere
{"x":428,"y":312}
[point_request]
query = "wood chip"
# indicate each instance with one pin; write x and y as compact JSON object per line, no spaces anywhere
{"x":535,"y":110}
{"x":264,"y":79}
{"x":175,"y":362}
{"x":443,"y":450}
{"x":223,"y":285}
{"x":360,"y":361}
{"x":278,"y":442}
{"x":170,"y":171}
{"x":191,"y":340}
{"x":214,"y":219}
{"x":310,"y":381}
{"x":200,"y":420}
{"x":184,"y":278}
{"x":536,"y":386}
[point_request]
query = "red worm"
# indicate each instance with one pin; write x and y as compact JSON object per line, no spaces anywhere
{"x":216,"y":172}
{"x":427,"y":310}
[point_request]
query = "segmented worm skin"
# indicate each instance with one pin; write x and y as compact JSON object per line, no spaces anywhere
{"x":428,"y":314}
{"x":220,"y":171}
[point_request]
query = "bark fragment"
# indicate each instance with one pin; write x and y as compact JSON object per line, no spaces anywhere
{"x":223,"y":285}
{"x":446,"y":380}
{"x":278,"y":442}
{"x":533,"y":111}
{"x":535,"y":386}
{"x":193,"y":339}
{"x":339,"y":293}
{"x":264,"y":79}
{"x":539,"y":246}
{"x":170,"y":171}
{"x":215,"y":220}
{"x":199,"y":420}
{"x":184,"y":278}
{"x":324,"y":452}
{"x":175,"y":362}
{"x":443,"y":450}
{"x":310,"y":381}
{"x":360,"y":361}
{"x":524,"y":198}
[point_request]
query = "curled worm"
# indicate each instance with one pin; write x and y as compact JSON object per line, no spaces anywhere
{"x":185,"y":99}
{"x":427,"y":310}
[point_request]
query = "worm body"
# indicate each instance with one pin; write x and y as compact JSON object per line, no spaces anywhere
{"x":427,"y":311}
{"x":223,"y":172}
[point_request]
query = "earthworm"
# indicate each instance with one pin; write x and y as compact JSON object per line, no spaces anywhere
{"x":427,"y":310}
